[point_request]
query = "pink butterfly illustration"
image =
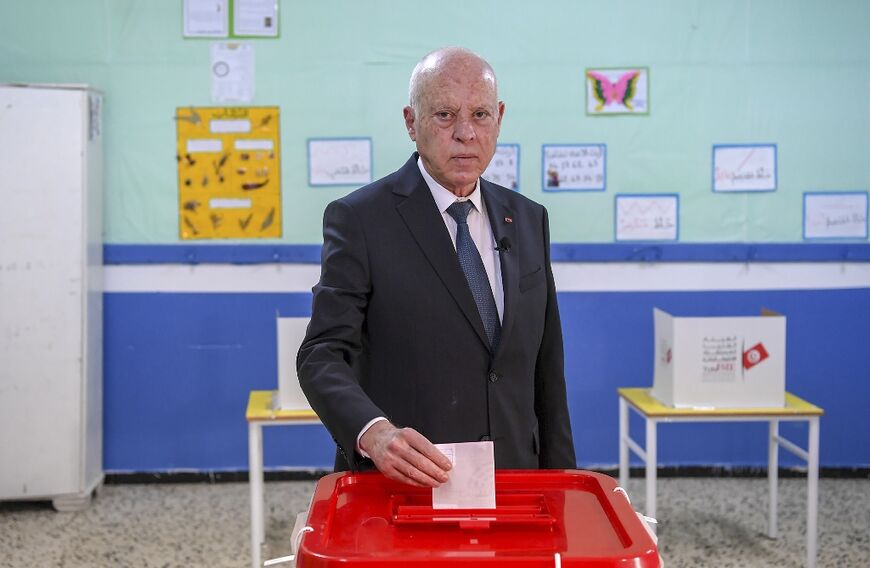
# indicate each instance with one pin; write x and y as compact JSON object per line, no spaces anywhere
{"x":605,"y":92}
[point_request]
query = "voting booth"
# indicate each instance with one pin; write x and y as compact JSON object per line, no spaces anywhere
{"x":542,"y":518}
{"x":291,"y":334}
{"x":719,"y":362}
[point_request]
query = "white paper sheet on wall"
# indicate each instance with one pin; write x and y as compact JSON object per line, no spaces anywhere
{"x":255,"y":18}
{"x":339,"y":161}
{"x":835,"y":215}
{"x":206,"y":18}
{"x":232,"y":72}
{"x":574,"y":167}
{"x":504,"y":169}
{"x":744,"y":167}
{"x":647,"y":217}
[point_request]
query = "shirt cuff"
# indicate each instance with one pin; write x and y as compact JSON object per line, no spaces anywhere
{"x":365,"y":429}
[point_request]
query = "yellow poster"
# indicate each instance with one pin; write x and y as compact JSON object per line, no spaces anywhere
{"x":229,"y":182}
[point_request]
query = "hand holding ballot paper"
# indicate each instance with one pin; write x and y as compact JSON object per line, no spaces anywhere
{"x":472,"y":480}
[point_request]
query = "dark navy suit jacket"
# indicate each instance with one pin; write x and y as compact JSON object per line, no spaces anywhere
{"x":395,"y":331}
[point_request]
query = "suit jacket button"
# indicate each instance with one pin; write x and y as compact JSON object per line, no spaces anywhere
{"x":493,"y":377}
{"x":485,"y":439}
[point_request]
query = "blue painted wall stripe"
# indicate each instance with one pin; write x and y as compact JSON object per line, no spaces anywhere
{"x":178,"y":368}
{"x":561,"y":252}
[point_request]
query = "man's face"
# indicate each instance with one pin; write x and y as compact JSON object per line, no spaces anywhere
{"x":457,"y":125}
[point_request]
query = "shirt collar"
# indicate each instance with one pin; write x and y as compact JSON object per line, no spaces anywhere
{"x":444,"y":198}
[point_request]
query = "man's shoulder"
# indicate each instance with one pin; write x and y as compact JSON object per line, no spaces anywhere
{"x":401,"y":181}
{"x":513,"y":199}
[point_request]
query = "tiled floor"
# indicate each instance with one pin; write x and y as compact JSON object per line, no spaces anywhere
{"x":703,"y":522}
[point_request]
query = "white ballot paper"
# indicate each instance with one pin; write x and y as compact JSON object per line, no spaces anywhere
{"x":472,"y":479}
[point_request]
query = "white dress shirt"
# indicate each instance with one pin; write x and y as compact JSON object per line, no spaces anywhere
{"x":480,"y":229}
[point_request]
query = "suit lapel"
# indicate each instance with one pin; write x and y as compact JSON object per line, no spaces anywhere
{"x":420,"y":214}
{"x":501,"y":217}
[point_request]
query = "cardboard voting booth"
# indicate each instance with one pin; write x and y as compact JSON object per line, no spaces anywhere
{"x":291,"y":333}
{"x":561,"y":518}
{"x":719,"y":362}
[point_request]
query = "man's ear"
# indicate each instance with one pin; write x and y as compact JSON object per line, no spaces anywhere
{"x":408,"y":113}
{"x":500,"y":112}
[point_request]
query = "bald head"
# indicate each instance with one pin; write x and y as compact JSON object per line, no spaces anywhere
{"x":447,"y":59}
{"x":454,"y":117}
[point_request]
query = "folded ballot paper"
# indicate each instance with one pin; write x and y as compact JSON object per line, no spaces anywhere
{"x":472,"y":480}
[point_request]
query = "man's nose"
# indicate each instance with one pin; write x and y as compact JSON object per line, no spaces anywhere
{"x":464,"y":130}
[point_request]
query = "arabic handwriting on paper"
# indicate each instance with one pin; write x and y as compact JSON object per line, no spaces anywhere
{"x":646,"y":218}
{"x":720,"y":358}
{"x":576,"y":167}
{"x":744,"y":168}
{"x":339,"y":161}
{"x":835,"y":215}
{"x":343,"y":171}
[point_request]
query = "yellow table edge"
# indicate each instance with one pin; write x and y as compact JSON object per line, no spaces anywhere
{"x":260,"y":407}
{"x":640,"y":398}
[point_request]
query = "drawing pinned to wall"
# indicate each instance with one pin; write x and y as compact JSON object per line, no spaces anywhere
{"x":835,"y":215}
{"x":229,"y":182}
{"x":574,"y":167}
{"x":744,"y":167}
{"x":617,"y":91}
{"x":339,"y":161}
{"x":647,"y":217}
{"x":232,"y":72}
{"x":504,"y":169}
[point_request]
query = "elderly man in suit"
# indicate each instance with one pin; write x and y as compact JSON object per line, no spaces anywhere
{"x":435,"y":318}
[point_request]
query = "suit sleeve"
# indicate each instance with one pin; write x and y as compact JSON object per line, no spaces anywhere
{"x":551,"y":401}
{"x":328,"y":360}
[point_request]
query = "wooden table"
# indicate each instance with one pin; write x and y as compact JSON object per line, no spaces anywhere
{"x":795,"y":410}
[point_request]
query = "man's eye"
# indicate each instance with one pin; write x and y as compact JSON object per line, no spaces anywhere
{"x":481,"y":114}
{"x":444,"y":115}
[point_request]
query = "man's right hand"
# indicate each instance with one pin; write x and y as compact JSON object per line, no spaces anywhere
{"x":405,"y":455}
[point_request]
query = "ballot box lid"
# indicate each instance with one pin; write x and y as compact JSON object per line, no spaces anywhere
{"x":542,"y":518}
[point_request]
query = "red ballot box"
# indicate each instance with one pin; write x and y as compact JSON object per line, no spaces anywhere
{"x":542,"y":518}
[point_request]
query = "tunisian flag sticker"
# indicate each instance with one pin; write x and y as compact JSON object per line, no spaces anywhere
{"x":754,"y":355}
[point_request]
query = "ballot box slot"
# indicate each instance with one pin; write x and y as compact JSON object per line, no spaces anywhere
{"x":526,"y":509}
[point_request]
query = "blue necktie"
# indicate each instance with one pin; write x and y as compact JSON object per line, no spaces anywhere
{"x":475,"y":273}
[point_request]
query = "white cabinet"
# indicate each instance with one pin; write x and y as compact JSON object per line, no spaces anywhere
{"x":50,"y":293}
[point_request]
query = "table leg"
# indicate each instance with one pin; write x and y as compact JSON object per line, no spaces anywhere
{"x":773,"y":476}
{"x":812,"y":491}
{"x":623,"y":443}
{"x":255,"y":478}
{"x":651,"y":462}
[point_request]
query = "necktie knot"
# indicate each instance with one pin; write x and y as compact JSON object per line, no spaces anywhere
{"x":459,"y":210}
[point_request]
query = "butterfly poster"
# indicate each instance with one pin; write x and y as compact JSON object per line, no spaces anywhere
{"x":617,"y":91}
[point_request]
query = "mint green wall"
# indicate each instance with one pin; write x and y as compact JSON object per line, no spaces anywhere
{"x":793,"y":73}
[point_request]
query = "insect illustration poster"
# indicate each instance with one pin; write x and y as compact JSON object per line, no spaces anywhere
{"x":617,"y":91}
{"x":229,"y":182}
